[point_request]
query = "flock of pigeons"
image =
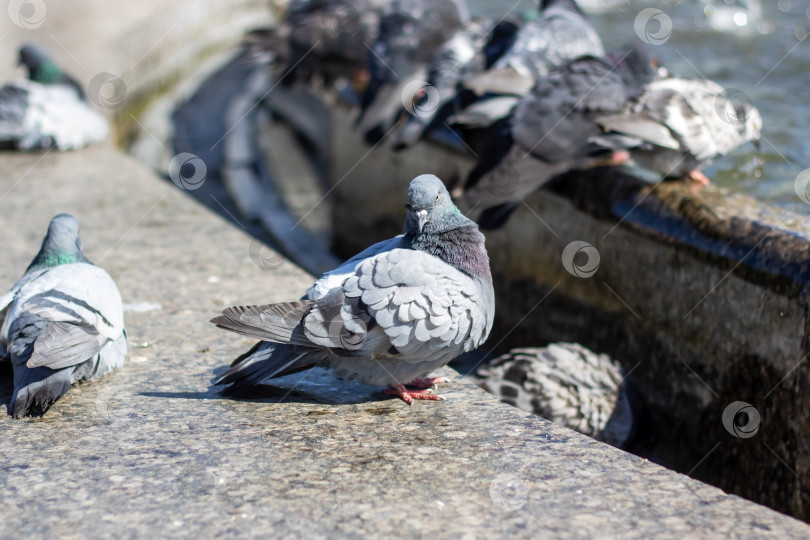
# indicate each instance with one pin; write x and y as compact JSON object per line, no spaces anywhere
{"x":533,"y":96}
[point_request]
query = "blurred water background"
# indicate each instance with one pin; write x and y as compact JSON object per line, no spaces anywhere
{"x":755,"y":47}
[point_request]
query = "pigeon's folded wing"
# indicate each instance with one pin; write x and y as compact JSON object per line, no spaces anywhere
{"x":78,"y":293}
{"x":556,"y":118}
{"x":485,"y":112}
{"x":504,"y":80}
{"x":335,"y":278}
{"x":63,"y":344}
{"x":421,"y":303}
{"x":701,"y":118}
{"x":680,"y":114}
{"x":641,"y":126}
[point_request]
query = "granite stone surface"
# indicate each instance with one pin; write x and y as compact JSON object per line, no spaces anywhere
{"x":152,"y":451}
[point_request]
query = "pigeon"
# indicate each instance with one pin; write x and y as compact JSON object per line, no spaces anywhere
{"x":62,"y":322}
{"x":567,"y":384}
{"x":388,"y":316}
{"x":560,"y":34}
{"x":48,"y":110}
{"x":549,"y":131}
{"x":497,"y":42}
{"x":328,"y":38}
{"x":411,"y":32}
{"x":520,"y":54}
{"x":679,"y":125}
{"x":445,"y":70}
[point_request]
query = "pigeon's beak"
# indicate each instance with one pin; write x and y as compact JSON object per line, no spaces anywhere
{"x":421,"y":217}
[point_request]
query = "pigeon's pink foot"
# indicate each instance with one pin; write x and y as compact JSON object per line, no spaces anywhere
{"x":408,"y":396}
{"x":699,"y":177}
{"x":429,"y":382}
{"x":616,"y":159}
{"x":619,"y":158}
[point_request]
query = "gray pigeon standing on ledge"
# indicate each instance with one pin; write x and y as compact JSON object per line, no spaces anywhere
{"x":567,"y":384}
{"x":388,"y":316}
{"x":49,"y":110}
{"x":62,"y":322}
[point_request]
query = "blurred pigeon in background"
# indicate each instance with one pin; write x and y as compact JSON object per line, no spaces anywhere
{"x":62,"y":322}
{"x":497,"y":41}
{"x":389,"y":316}
{"x":567,"y":384}
{"x":330,"y":38}
{"x":680,"y":125}
{"x":49,"y":110}
{"x":549,"y":131}
{"x":411,"y":32}
{"x":445,"y":69}
{"x":518,"y":55}
{"x":560,"y":34}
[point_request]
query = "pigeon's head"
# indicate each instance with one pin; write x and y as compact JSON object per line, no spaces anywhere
{"x":61,"y":245}
{"x":40,"y":67}
{"x":64,"y":225}
{"x":63,"y":234}
{"x":429,"y":206}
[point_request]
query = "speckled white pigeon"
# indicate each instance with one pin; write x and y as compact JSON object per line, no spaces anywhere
{"x":49,"y":110}
{"x":62,"y":322}
{"x":679,"y":125}
{"x":567,"y":384}
{"x":389,"y":316}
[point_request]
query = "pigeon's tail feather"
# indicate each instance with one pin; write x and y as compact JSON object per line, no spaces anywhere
{"x":13,"y":103}
{"x":61,"y":344}
{"x":496,"y":216}
{"x":273,"y":322}
{"x":13,"y":106}
{"x":35,"y":390}
{"x":265,"y":360}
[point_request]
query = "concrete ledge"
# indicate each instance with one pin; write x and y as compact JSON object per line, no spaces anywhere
{"x":150,"y":450}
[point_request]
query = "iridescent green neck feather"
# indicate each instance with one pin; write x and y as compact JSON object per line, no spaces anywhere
{"x":47,"y":73}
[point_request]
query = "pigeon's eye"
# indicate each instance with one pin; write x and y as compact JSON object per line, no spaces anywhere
{"x":437,"y":200}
